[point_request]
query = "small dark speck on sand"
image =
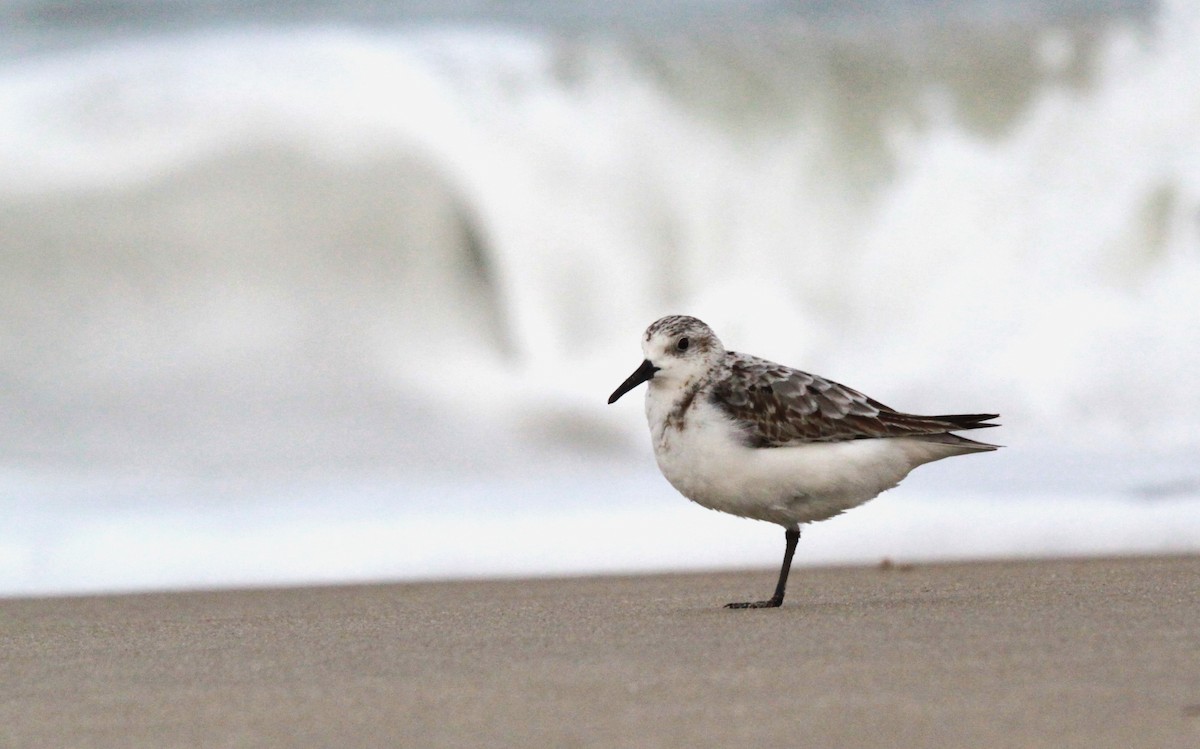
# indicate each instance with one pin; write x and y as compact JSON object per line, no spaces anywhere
{"x":887,"y":565}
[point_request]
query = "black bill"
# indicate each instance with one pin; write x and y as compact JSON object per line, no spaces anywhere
{"x":640,"y":375}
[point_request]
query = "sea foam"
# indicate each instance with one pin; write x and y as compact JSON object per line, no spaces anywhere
{"x":241,"y":258}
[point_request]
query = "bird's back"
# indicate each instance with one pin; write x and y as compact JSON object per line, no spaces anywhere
{"x":778,"y":406}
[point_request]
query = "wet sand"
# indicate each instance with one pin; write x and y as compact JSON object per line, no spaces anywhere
{"x":1097,"y":653}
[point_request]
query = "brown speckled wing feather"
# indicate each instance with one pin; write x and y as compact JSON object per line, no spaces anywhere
{"x":780,"y":406}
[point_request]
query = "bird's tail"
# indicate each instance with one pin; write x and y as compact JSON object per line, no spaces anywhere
{"x":962,"y":443}
{"x":964,"y":421}
{"x":968,"y":421}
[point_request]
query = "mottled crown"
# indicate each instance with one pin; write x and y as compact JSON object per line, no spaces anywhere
{"x":677,"y":325}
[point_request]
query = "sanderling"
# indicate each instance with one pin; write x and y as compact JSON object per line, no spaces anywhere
{"x":753,"y":438}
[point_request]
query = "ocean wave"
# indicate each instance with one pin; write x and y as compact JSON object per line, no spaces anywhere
{"x":485,"y":220}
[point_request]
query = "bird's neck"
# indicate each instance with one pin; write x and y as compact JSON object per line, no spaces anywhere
{"x":668,"y":405}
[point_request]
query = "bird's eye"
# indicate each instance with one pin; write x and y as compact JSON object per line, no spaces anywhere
{"x":683,"y":344}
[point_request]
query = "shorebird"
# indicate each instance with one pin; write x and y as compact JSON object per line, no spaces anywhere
{"x":753,"y":438}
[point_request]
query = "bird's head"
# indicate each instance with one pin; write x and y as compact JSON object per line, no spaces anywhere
{"x":678,"y":350}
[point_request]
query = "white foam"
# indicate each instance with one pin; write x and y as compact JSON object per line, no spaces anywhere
{"x":583,"y":522}
{"x":286,"y":255}
{"x":1049,"y":269}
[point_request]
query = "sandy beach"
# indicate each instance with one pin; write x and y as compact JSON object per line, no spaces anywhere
{"x":1096,"y":653}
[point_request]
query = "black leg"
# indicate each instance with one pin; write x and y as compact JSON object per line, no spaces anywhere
{"x":791,"y":536}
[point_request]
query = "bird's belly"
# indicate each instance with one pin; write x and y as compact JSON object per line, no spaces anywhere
{"x":784,"y":485}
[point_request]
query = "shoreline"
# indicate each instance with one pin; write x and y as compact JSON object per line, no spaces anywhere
{"x":1038,"y":653}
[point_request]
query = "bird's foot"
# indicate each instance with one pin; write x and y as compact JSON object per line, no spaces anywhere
{"x":773,"y":602}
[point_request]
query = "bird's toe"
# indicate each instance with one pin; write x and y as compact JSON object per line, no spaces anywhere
{"x":770,"y":603}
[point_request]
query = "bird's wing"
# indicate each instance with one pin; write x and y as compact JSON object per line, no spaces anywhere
{"x":778,"y":406}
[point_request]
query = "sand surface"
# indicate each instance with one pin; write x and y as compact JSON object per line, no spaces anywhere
{"x":1100,"y":653}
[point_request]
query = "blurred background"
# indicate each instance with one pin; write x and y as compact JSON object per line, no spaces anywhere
{"x":325,"y":291}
